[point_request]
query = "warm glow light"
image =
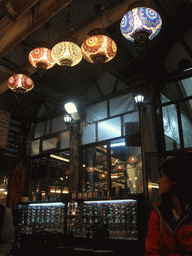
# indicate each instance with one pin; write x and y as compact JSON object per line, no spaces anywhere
{"x":60,"y":158}
{"x":41,"y":58}
{"x":20,"y":83}
{"x":66,"y":54}
{"x":140,"y":19}
{"x":70,"y":108}
{"x":154,"y":185}
{"x":99,"y":48}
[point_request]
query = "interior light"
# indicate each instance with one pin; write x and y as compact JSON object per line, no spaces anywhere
{"x":110,"y":201}
{"x":46,"y":204}
{"x":60,"y":158}
{"x":154,"y":185}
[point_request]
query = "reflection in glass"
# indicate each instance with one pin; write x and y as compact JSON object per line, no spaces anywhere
{"x":49,"y":176}
{"x":126,"y":169}
{"x":187,"y":125}
{"x":109,"y":129}
{"x":170,"y":124}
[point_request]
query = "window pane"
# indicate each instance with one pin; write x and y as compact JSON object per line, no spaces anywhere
{"x":121,"y":105}
{"x":109,"y":129}
{"x":96,"y":112}
{"x":95,"y":170}
{"x":187,"y":125}
{"x":50,"y":144}
{"x":89,"y":134}
{"x":40,"y":129}
{"x":170,"y":124}
{"x":126,"y":170}
{"x":58,"y":124}
{"x":130,"y":118}
{"x":64,"y":140}
{"x":35,"y":147}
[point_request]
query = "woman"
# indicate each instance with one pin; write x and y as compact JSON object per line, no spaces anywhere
{"x":170,"y":223}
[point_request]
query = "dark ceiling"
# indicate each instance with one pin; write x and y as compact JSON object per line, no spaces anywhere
{"x":82,"y":83}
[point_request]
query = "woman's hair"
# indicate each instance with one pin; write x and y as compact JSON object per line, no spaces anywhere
{"x":179,"y":169}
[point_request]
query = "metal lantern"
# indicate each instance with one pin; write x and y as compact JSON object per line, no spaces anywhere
{"x":140,"y":24}
{"x":41,"y":58}
{"x":66,"y":53}
{"x":20,"y":83}
{"x":98,"y":48}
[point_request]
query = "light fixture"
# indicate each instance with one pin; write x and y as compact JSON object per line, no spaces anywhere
{"x":141,"y":23}
{"x":139,"y":98}
{"x":41,"y":58}
{"x":67,"y":119}
{"x":98,"y":47}
{"x":70,"y":108}
{"x":20,"y":83}
{"x":60,"y":158}
{"x":66,"y":53}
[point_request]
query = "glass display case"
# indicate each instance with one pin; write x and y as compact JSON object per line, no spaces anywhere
{"x":41,"y":217}
{"x":112,"y":218}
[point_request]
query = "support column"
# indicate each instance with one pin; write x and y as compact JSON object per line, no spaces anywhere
{"x":74,"y":170}
{"x":152,"y":144}
{"x":18,"y":181}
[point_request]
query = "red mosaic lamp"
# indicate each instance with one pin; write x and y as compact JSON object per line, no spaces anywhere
{"x":41,"y":59}
{"x":20,"y":83}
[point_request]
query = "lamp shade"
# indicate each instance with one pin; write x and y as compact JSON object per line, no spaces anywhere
{"x":139,"y":98}
{"x":67,"y":119}
{"x":41,"y":58}
{"x":98,"y":48}
{"x":20,"y":83}
{"x":140,"y":19}
{"x":66,"y":53}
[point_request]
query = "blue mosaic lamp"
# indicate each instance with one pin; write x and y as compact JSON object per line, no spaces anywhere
{"x":140,"y":24}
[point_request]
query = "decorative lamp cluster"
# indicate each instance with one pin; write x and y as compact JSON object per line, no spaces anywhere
{"x":20,"y":83}
{"x":140,"y":24}
{"x":98,"y":47}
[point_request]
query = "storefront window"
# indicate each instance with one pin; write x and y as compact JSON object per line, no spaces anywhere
{"x":109,"y":129}
{"x":49,"y":176}
{"x":124,"y":168}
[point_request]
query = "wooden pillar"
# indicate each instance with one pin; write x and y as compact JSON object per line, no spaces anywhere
{"x":18,"y":181}
{"x":74,"y":169}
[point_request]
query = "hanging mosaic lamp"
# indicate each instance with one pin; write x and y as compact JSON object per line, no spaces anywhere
{"x":141,"y":23}
{"x":20,"y":83}
{"x":41,"y":58}
{"x":66,"y":53}
{"x":98,"y":47}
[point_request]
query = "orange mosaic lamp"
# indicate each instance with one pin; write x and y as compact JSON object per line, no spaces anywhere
{"x":41,"y":58}
{"x":98,"y":47}
{"x":20,"y":83}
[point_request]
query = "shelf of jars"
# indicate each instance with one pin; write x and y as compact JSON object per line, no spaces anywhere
{"x":117,"y":217}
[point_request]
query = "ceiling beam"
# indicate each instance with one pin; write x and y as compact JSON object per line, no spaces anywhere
{"x":12,"y":33}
